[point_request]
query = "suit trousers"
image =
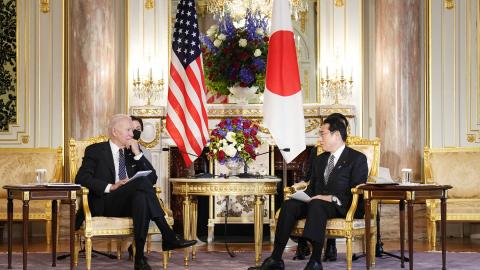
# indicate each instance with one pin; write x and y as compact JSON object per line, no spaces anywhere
{"x":316,"y":212}
{"x":137,"y":199}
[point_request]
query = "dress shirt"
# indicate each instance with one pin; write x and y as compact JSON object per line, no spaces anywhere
{"x":336,"y":157}
{"x":115,"y":155}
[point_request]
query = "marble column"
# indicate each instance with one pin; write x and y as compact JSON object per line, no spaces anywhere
{"x":94,"y":53}
{"x":399,"y":84}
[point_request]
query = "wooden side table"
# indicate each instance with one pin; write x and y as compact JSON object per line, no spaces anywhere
{"x":52,"y":192}
{"x":408,"y":193}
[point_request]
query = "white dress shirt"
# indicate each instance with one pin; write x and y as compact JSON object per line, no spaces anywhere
{"x":116,"y":156}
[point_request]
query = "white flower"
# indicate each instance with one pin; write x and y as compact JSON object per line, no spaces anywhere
{"x":230,"y":137}
{"x":222,"y":37}
{"x":259,"y":31}
{"x":230,"y":150}
{"x":217,"y":43}
{"x":212,"y":30}
{"x":257,"y":53}
{"x":240,"y":147}
{"x":242,"y":42}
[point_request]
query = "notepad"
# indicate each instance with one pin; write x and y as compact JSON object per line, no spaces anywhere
{"x":140,"y":174}
{"x":301,"y":196}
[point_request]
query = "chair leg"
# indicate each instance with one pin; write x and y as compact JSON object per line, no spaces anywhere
{"x":433,"y":237}
{"x":149,"y":244}
{"x":88,"y":252}
{"x":109,"y":246}
{"x":165,"y":259}
{"x":119,"y":248}
{"x":48,"y":232}
{"x":349,"y":253}
{"x":373,"y":242}
{"x":76,"y":250}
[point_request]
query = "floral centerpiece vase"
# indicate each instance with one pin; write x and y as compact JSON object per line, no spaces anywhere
{"x":235,"y":56}
{"x":233,"y":143}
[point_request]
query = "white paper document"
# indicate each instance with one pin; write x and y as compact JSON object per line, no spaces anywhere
{"x":383,"y":176}
{"x":140,"y":174}
{"x":301,"y":196}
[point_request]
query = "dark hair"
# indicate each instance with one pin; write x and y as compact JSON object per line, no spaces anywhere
{"x":337,"y":122}
{"x":135,"y":118}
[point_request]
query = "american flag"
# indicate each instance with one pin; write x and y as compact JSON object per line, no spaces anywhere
{"x":187,"y":120}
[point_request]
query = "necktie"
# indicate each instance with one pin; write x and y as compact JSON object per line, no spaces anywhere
{"x":329,"y":169}
{"x":122,"y":173}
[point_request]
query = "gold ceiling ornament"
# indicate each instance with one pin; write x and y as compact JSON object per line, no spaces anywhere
{"x":238,"y":8}
{"x":449,"y":4}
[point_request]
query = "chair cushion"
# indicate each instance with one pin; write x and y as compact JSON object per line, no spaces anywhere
{"x":120,"y":223}
{"x":339,"y":223}
{"x":467,"y":207}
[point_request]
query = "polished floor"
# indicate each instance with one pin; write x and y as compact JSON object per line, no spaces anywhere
{"x":38,"y":244}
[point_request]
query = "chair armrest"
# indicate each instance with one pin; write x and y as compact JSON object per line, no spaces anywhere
{"x":86,"y":208}
{"x":353,"y":207}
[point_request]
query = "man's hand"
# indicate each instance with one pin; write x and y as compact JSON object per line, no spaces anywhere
{"x":133,"y":145}
{"x":118,"y":184}
{"x":327,"y":198}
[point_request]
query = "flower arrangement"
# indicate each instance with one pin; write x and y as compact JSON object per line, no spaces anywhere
{"x":234,"y":139}
{"x":235,"y":54}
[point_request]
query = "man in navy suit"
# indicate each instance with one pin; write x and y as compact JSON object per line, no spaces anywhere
{"x":105,"y":171}
{"x":332,"y":174}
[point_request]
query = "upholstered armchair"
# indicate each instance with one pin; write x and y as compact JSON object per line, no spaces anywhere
{"x":105,"y":227}
{"x":458,"y":167}
{"x":349,"y":227}
{"x":17,"y":166}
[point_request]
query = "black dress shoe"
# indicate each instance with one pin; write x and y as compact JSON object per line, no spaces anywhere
{"x":330,"y":251}
{"x":303,"y":250}
{"x":141,"y":265}
{"x":270,"y":264}
{"x":313,"y":265}
{"x":178,"y":243}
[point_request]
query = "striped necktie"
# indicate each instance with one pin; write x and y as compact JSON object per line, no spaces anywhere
{"x":122,"y":172}
{"x":329,"y":169}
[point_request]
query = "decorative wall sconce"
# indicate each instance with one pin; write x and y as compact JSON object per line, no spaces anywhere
{"x":337,"y":86}
{"x":147,"y":89}
{"x":45,"y":6}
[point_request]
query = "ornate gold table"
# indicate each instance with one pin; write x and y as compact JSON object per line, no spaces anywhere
{"x":257,"y":187}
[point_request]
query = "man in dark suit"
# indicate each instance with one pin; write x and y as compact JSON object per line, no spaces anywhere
{"x":330,"y":253}
{"x":332,"y":175}
{"x":105,"y":171}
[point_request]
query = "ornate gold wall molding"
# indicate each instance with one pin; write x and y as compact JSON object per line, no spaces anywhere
{"x":449,"y":4}
{"x":149,"y":4}
{"x":45,"y":6}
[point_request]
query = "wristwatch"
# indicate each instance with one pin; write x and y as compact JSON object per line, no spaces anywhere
{"x":336,"y":200}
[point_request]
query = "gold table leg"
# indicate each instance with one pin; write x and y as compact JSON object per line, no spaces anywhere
{"x":186,"y":226}
{"x":193,"y":229}
{"x":258,"y":223}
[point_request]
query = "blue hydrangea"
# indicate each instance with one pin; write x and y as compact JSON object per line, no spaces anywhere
{"x":246,"y":76}
{"x":259,"y":64}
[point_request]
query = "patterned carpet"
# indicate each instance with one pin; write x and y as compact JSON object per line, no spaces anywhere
{"x":221,"y":261}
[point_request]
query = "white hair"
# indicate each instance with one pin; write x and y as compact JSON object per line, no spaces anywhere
{"x":114,"y":120}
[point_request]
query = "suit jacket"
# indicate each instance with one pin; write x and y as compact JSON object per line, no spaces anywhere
{"x":98,"y":170}
{"x":351,"y":170}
